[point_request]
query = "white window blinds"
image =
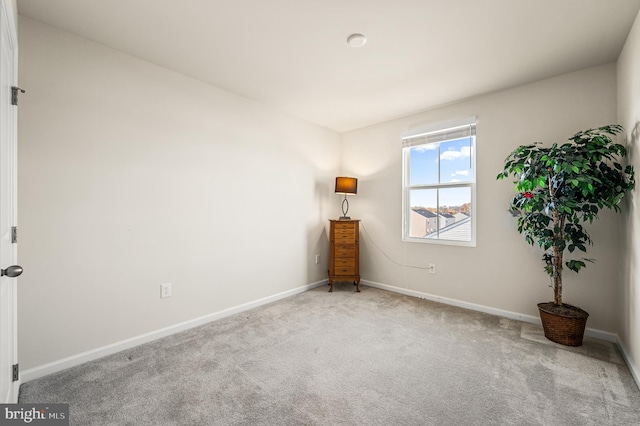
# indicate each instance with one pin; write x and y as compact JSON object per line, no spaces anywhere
{"x":440,"y":132}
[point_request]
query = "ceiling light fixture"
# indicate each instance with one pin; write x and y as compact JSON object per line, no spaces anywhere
{"x":356,"y":40}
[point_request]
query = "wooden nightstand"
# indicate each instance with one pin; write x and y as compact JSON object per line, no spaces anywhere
{"x":344,"y":252}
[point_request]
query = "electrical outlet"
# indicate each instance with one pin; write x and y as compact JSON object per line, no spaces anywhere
{"x":317,"y":259}
{"x":432,"y":268}
{"x":165,"y":290}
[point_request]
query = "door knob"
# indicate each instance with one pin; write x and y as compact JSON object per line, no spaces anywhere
{"x":12,"y":271}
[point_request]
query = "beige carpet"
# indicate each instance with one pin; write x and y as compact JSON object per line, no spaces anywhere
{"x":345,"y":358}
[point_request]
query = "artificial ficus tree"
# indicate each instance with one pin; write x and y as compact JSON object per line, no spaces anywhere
{"x":561,"y":187}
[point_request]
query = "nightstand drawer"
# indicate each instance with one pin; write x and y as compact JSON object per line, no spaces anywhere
{"x":345,"y":238}
{"x":348,"y":231}
{"x":338,"y":226}
{"x":342,"y":262}
{"x":350,"y":270}
{"x":345,"y":250}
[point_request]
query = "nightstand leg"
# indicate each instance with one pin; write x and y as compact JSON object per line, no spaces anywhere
{"x":357,"y":283}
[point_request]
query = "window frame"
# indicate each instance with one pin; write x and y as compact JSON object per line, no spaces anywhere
{"x":425,"y":132}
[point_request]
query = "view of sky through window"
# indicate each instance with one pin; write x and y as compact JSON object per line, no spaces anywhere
{"x":455,"y":166}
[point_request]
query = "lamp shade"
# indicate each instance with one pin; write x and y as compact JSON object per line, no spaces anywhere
{"x":346,"y":185}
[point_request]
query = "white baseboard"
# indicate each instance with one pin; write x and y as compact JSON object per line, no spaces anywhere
{"x":63,"y":364}
{"x":629,"y":360}
{"x":591,"y":332}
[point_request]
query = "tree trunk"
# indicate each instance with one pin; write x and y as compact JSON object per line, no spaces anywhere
{"x":557,"y":258}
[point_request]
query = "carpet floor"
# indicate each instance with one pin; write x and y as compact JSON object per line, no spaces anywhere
{"x":346,"y":358}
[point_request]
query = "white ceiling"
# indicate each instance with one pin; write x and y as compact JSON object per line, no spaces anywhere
{"x":293,"y":55}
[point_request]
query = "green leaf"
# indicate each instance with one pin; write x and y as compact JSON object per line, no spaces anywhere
{"x":575,"y":265}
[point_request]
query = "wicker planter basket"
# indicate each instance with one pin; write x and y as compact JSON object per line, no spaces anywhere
{"x":566,"y":327}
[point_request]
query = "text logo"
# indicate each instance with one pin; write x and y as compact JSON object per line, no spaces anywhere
{"x":34,"y":414}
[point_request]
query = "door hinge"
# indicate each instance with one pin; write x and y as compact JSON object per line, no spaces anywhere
{"x":14,"y":235}
{"x":14,"y":94}
{"x":16,"y":372}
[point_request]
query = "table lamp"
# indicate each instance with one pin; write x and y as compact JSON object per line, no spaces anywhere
{"x":346,"y":186}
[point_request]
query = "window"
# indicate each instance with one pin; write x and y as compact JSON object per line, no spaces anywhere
{"x":439,"y":183}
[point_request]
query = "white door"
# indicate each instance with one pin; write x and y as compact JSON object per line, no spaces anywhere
{"x":8,"y":216}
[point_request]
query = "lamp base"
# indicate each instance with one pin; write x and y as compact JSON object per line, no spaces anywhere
{"x":344,"y":218}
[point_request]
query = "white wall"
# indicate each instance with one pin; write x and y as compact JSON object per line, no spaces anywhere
{"x":629,"y":117}
{"x":132,"y":175}
{"x":502,"y":272}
